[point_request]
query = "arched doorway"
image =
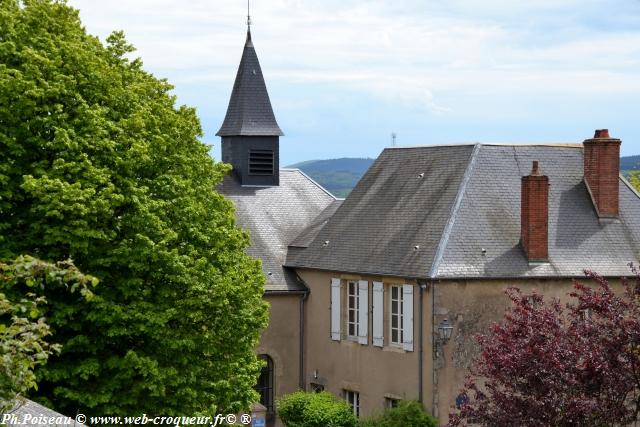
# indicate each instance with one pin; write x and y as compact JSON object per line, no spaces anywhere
{"x":265,"y":387}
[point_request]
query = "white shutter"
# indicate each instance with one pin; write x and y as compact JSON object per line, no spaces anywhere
{"x":407,"y":312}
{"x":363,"y":312}
{"x":378,"y":309}
{"x":335,"y":309}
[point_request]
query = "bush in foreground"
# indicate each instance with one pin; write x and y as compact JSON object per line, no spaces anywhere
{"x":302,"y":409}
{"x":408,"y":413}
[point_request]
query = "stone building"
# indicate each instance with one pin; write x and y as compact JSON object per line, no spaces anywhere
{"x":376,"y":298}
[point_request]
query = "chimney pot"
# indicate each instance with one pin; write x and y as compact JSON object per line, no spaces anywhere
{"x":535,"y":170}
{"x":601,"y":133}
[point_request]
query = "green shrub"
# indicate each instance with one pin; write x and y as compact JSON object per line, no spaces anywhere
{"x":408,"y":413}
{"x":301,"y":409}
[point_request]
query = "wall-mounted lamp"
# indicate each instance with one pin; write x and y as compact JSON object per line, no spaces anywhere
{"x":444,"y":331}
{"x":444,"y":334}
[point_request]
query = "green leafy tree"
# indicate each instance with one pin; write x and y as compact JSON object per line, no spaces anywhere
{"x":408,"y":413}
{"x":634,"y":179}
{"x":98,"y":164}
{"x":303,"y":409}
{"x":23,"y":329}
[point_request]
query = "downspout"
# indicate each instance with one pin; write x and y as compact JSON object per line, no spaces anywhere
{"x":422,"y":286}
{"x":301,"y":381}
{"x":434,"y":375}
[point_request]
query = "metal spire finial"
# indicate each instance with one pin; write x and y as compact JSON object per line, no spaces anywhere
{"x":248,"y":17}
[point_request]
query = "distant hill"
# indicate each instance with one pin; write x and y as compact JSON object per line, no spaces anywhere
{"x":630,"y":163}
{"x":339,"y":176}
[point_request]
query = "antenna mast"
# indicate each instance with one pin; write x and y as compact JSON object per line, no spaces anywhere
{"x":393,"y":139}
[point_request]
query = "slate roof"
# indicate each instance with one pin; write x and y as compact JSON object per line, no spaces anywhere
{"x":249,"y":112}
{"x":390,"y":211}
{"x":30,"y":413}
{"x":275,"y":216}
{"x":469,"y":199}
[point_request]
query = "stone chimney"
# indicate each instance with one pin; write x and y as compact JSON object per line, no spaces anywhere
{"x":534,"y":215}
{"x":601,"y":172}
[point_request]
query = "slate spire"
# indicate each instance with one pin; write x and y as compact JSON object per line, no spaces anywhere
{"x":249,"y":112}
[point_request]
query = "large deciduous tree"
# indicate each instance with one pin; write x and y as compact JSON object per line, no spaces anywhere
{"x":98,"y":164}
{"x":559,"y":365}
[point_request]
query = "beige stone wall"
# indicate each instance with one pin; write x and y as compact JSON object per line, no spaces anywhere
{"x":472,"y":306}
{"x":374,"y":372}
{"x":281,"y":342}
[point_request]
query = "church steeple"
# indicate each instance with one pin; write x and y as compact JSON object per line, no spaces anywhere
{"x":250,"y":133}
{"x":249,"y":111}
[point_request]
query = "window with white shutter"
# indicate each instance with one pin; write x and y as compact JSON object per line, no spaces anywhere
{"x":407,"y":324}
{"x":396,"y":312}
{"x":335,"y":309}
{"x":378,"y":314}
{"x":363,"y":312}
{"x":353,"y":309}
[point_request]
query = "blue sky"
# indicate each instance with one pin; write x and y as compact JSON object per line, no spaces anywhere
{"x":343,"y":75}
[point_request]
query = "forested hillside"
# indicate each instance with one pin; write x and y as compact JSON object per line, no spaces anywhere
{"x":339,"y":176}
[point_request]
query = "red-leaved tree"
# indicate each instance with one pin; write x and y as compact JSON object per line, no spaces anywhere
{"x":548,"y":364}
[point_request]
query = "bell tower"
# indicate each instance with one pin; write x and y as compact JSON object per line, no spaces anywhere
{"x":250,"y":134}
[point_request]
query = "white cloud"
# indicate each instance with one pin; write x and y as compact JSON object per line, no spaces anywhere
{"x":407,"y":51}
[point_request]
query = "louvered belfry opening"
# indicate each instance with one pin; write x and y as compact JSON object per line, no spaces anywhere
{"x":261,"y":162}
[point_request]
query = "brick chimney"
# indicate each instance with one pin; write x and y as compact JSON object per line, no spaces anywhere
{"x":601,"y":172}
{"x":534,"y":215}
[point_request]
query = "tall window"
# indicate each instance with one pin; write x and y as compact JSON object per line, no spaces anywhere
{"x":397,"y":315}
{"x":265,"y":383}
{"x":352,"y":309}
{"x":353,"y":399}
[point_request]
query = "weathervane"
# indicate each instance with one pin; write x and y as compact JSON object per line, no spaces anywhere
{"x":248,"y":17}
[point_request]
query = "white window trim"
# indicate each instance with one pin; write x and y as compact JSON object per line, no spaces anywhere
{"x":353,"y":399}
{"x":353,"y":284}
{"x":400,"y":325}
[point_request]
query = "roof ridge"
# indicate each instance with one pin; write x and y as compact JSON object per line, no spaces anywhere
{"x":314,"y":182}
{"x":444,"y":239}
{"x":492,"y":144}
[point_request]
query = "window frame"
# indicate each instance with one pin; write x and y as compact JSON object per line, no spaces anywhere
{"x":391,"y":402}
{"x":399,"y":328}
{"x":355,"y":310}
{"x":352,"y":398}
